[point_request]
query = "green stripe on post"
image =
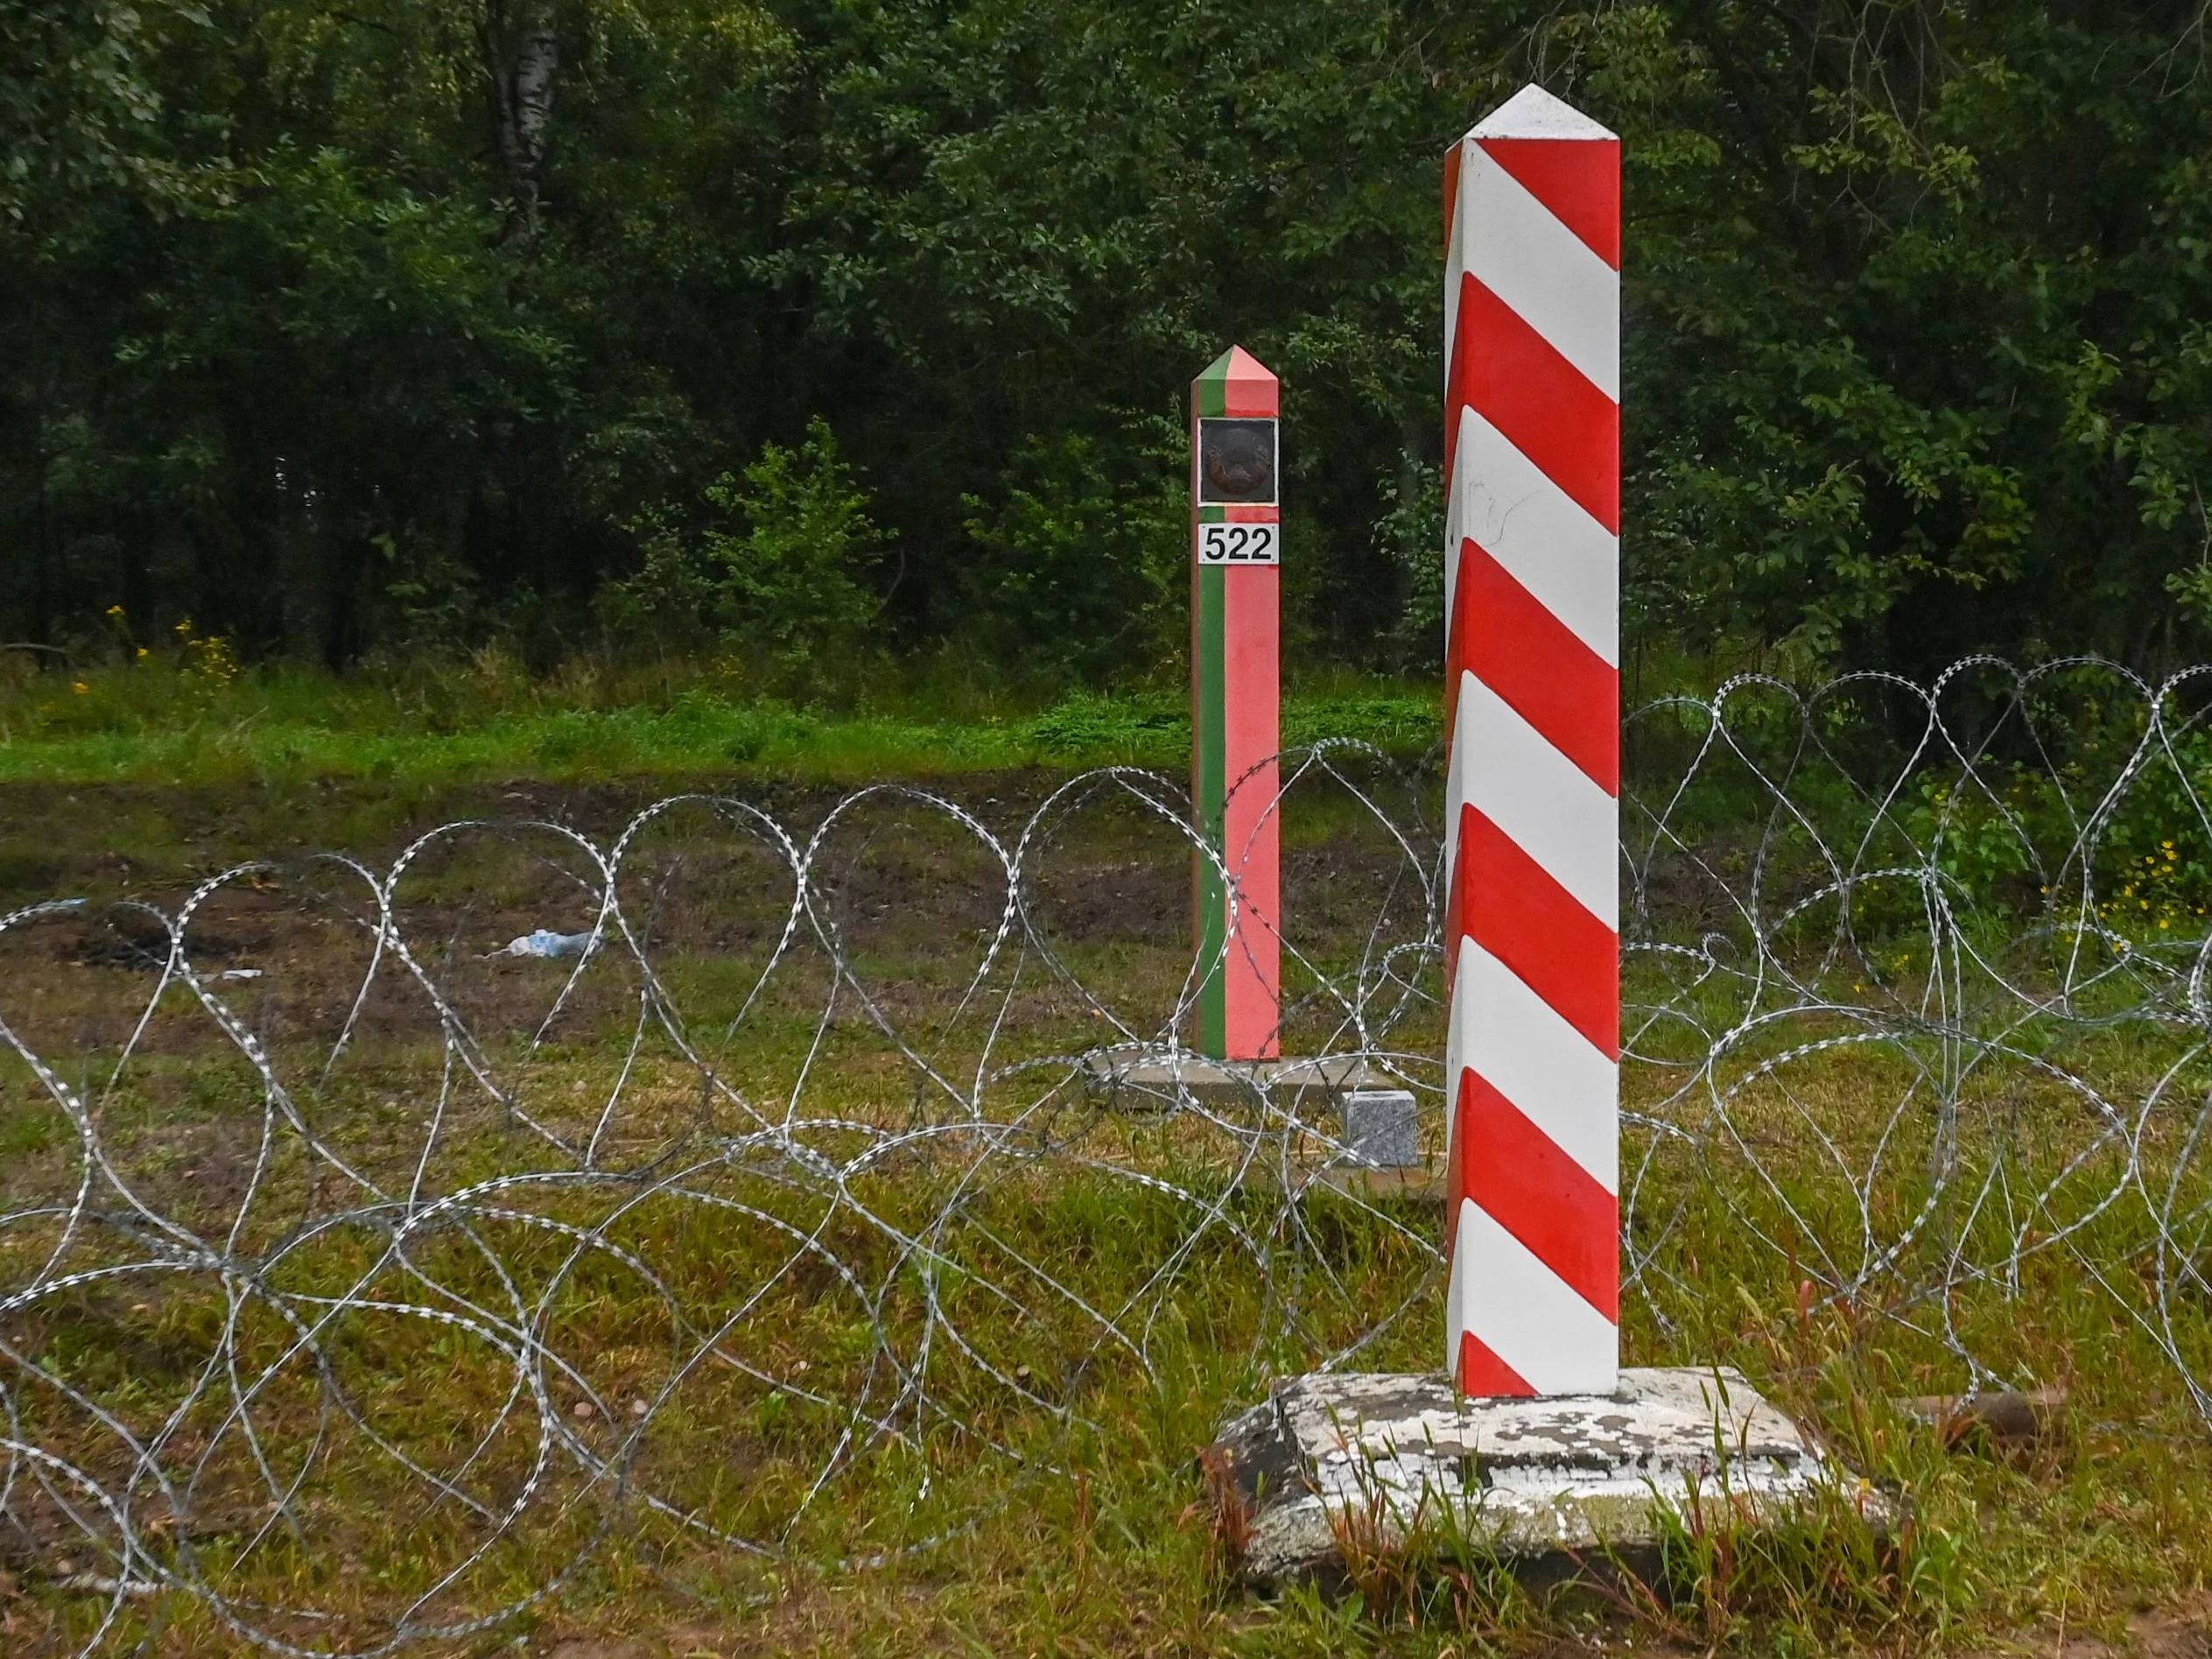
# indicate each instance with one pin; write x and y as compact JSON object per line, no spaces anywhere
{"x":1213,"y":389}
{"x":1212,"y":789}
{"x":1209,"y":782}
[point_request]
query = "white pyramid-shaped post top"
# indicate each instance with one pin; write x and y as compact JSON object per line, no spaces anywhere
{"x":1533,"y":113}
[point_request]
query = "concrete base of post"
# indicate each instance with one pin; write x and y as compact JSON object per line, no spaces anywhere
{"x":1144,"y":1079}
{"x":1371,"y":1464}
{"x":1373,"y":1118}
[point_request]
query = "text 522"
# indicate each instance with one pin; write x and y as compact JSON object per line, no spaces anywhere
{"x":1239,"y":544}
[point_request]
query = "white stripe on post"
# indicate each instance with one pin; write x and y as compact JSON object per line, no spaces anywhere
{"x":1532,"y":571}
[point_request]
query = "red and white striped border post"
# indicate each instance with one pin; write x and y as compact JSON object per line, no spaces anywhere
{"x":1532,"y":573}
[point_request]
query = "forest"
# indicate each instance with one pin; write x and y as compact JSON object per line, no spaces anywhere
{"x":794,"y":331}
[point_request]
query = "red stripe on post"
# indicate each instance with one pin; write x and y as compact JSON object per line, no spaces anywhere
{"x":1509,"y":904}
{"x":1534,"y":661}
{"x":1577,"y":178}
{"x":1482,"y":1373}
{"x":1520,"y":1177}
{"x":1521,"y":385}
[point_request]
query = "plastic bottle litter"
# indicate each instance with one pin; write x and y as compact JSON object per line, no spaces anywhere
{"x":545,"y":944}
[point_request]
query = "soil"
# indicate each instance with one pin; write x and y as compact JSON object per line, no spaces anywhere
{"x":286,"y":940}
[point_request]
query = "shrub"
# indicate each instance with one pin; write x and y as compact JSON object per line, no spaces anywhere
{"x":777,"y":569}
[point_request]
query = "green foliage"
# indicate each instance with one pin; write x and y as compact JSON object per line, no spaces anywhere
{"x":1409,"y":531}
{"x":1077,"y":572}
{"x":79,"y":102}
{"x":2157,"y":851}
{"x":2010,"y":837}
{"x":1123,"y":727}
{"x":778,"y":573}
{"x":1983,"y":835}
{"x":1914,"y":361}
{"x":1904,"y":371}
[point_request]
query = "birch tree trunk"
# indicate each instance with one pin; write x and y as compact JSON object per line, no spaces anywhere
{"x":522,"y":57}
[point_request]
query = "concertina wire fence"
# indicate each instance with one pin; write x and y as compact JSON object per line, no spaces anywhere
{"x":1915,"y":1012}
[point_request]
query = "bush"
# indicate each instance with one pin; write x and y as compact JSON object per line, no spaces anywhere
{"x":777,"y":571}
{"x":1082,"y":566}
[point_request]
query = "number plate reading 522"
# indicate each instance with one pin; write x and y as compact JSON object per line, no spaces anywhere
{"x":1239,"y":543}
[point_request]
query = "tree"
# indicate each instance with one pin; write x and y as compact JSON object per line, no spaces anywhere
{"x":321,"y":327}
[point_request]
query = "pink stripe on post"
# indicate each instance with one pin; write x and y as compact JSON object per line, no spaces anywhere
{"x":1250,"y":839}
{"x":1236,"y":680}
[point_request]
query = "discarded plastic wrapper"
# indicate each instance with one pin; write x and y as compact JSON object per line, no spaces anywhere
{"x":546,"y":944}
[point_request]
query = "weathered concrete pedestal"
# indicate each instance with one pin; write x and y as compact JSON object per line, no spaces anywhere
{"x":1375,"y":1119}
{"x":1543,"y":1483}
{"x":1149,"y":1080}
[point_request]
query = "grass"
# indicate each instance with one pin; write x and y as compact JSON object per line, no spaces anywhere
{"x":178,"y":720}
{"x":1103,"y":1545}
{"x":1094,"y":1536}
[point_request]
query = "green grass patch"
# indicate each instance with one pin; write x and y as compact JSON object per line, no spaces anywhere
{"x":486,"y":721}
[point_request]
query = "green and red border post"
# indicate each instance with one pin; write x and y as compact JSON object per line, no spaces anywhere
{"x":1236,"y":702}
